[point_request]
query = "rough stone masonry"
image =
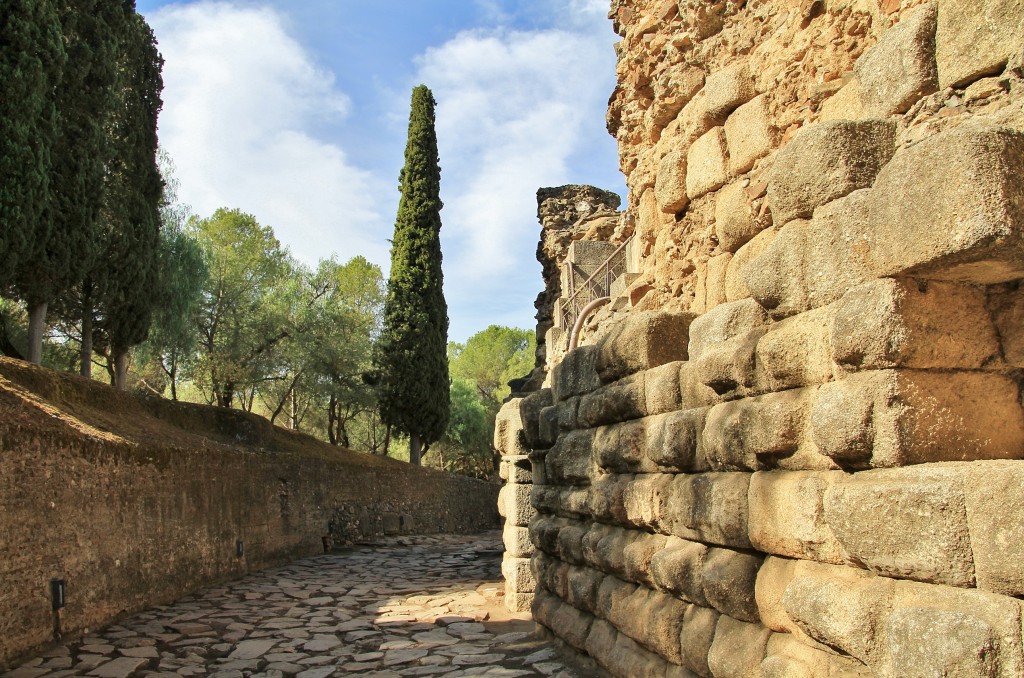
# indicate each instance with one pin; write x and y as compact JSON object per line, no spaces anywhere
{"x":797,"y":449}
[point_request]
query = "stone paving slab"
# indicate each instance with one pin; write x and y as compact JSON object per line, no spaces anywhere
{"x":408,"y":606}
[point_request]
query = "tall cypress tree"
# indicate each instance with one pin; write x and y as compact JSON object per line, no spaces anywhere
{"x":31,"y":60}
{"x":411,"y":355}
{"x":122,"y":283}
{"x":84,"y":97}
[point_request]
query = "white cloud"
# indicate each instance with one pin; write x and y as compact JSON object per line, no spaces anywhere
{"x":511,"y":115}
{"x":241,"y":95}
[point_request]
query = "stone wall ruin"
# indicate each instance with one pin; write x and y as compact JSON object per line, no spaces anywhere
{"x":798,"y":450}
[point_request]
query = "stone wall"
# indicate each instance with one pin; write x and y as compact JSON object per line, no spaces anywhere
{"x":135,"y":502}
{"x":799,"y":453}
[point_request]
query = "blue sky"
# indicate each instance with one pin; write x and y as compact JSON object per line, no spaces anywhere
{"x":296,"y":112}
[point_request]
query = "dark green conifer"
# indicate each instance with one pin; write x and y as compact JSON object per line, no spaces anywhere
{"x":411,"y":356}
{"x":31,"y":60}
{"x":126,"y":271}
{"x":84,"y":97}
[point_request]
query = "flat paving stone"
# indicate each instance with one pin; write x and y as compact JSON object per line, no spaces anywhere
{"x":399,"y":608}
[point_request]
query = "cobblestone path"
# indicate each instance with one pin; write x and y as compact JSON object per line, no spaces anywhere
{"x":416,"y":606}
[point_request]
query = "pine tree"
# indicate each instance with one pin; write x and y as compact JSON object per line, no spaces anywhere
{"x":31,"y":60}
{"x":411,"y":356}
{"x":84,"y":97}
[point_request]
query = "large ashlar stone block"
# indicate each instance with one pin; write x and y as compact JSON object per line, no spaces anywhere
{"x":637,"y":558}
{"x":620,"y":655}
{"x":583,"y":584}
{"x":905,"y":323}
{"x":568,"y":623}
{"x":898,"y":417}
{"x":788,"y":657}
{"x":707,"y":163}
{"x":508,"y":428}
{"x":619,"y":401}
{"x":677,"y":444}
{"x":750,"y":135}
{"x":827,"y":161}
{"x":735,"y":275}
{"x":678,"y":569}
{"x":846,"y":104}
{"x":710,"y":290}
{"x":763,"y":432}
{"x":517,"y":469}
{"x":731,"y":369}
{"x":514,"y":505}
{"x":961,"y":218}
{"x":673,"y":88}
{"x":652,"y":619}
{"x":900,"y":68}
{"x":623,"y":448}
{"x":787,"y":515}
{"x":797,"y":351}
{"x":908,"y":523}
{"x":734,"y":217}
{"x":670,"y":184}
{"x":576,"y":374}
{"x":995,"y":515}
{"x":699,"y":626}
{"x":738,"y":649}
{"x":774,"y":575}
{"x":723,"y":323}
{"x":529,"y":412}
{"x":646,"y":499}
{"x":642,"y":341}
{"x":709,"y":507}
{"x":813,"y":263}
{"x":662,"y":388}
{"x":571,"y":460}
{"x":517,"y":542}
{"x":976,"y":38}
{"x":518,"y":575}
{"x":728,"y":89}
{"x":729,"y":577}
{"x":692,"y":390}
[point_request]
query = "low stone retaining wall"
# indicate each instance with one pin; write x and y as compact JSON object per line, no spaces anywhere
{"x":136,"y":502}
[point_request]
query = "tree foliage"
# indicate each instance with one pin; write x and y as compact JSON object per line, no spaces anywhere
{"x":411,"y":356}
{"x":31,"y":61}
{"x":491,"y":358}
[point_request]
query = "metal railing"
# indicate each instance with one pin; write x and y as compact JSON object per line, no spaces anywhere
{"x":598,"y":285}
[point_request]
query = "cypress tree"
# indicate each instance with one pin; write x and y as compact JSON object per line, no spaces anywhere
{"x":84,"y":98}
{"x":31,"y":60}
{"x":124,"y":279}
{"x":411,"y":356}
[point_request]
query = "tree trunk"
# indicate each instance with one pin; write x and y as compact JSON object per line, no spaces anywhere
{"x":85,"y":357}
{"x":331,"y":417}
{"x":121,"y":369}
{"x":414,"y":449}
{"x":36,"y":329}
{"x":294,"y":420}
{"x":173,"y":374}
{"x":387,"y":439}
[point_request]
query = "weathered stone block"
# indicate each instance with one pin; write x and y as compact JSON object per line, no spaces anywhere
{"x":570,"y":543}
{"x":508,"y":427}
{"x":571,"y":625}
{"x":735,"y":275}
{"x":576,"y":374}
{"x":611,"y":595}
{"x":605,"y":501}
{"x":646,"y":500}
{"x":1007,"y":306}
{"x":529,"y":411}
{"x":517,"y":541}
{"x":673,"y":88}
{"x":662,"y":388}
{"x":750,"y":135}
{"x":961,"y":217}
{"x":789,"y":657}
{"x":652,"y":619}
{"x":707,"y":164}
{"x":678,"y":442}
{"x":623,"y":448}
{"x":738,"y":649}
{"x":514,"y":504}
{"x":846,"y":104}
{"x":711,"y":507}
{"x":516,"y":469}
{"x":900,"y":68}
{"x":796,"y":351}
{"x":773,"y":577}
{"x":711,"y":281}
{"x":678,"y":569}
{"x":518,"y":602}
{"x":518,"y":575}
{"x":693,"y":392}
{"x":902,"y":323}
{"x":728,"y":578}
{"x":723,"y":323}
{"x":548,"y":429}
{"x":699,"y":626}
{"x":642,"y":341}
{"x":637,"y":557}
{"x":899,"y":417}
{"x":908,"y":523}
{"x":787,"y":515}
{"x":619,"y":401}
{"x":670,"y":185}
{"x":571,"y":460}
{"x":728,"y":89}
{"x":995,"y":515}
{"x":583,"y":585}
{"x":734,"y":217}
{"x":760,"y":433}
{"x":976,"y":38}
{"x":827,"y":161}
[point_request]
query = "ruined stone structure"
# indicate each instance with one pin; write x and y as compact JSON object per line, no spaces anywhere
{"x":135,"y":502}
{"x":798,"y":450}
